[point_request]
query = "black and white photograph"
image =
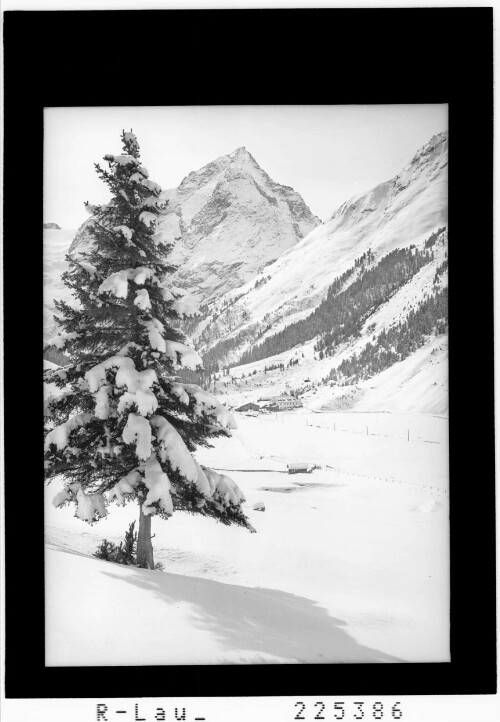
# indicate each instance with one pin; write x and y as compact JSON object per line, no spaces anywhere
{"x":248,"y":365}
{"x":246,"y":385}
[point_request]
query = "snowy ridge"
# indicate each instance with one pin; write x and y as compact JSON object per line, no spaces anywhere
{"x":400,"y":212}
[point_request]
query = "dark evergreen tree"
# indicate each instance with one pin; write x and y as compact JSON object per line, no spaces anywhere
{"x":123,"y":425}
{"x":128,"y":547}
{"x":106,"y":551}
{"x":124,"y":553}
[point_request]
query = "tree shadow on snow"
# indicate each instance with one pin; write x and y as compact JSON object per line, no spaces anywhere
{"x":258,"y":620}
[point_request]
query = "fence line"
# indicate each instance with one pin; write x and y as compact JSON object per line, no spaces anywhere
{"x":388,"y":479}
{"x":252,"y":471}
{"x":350,"y":472}
{"x":340,"y":470}
{"x":365,"y":431}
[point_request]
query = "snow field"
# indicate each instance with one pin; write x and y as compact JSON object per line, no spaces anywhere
{"x":340,"y":440}
{"x":345,"y":566}
{"x":186,"y":621}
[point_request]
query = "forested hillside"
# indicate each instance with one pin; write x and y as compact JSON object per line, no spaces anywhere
{"x":344,"y":310}
{"x":397,"y":343}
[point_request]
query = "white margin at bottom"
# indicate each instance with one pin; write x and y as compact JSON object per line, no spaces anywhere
{"x":408,"y":708}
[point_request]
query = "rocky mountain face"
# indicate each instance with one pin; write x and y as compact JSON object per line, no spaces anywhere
{"x":396,"y":214}
{"x":227,"y":221}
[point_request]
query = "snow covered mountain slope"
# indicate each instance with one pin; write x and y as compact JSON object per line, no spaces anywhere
{"x":419,"y":383}
{"x":400,"y":212}
{"x":56,"y":244}
{"x":396,"y":359}
{"x":227,"y":221}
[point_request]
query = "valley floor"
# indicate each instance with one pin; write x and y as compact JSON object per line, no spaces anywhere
{"x":418,"y":383}
{"x":349,"y":563}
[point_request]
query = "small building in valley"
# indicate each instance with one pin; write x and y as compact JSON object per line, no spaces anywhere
{"x":249,"y":407}
{"x":287,"y":402}
{"x":301,"y":467}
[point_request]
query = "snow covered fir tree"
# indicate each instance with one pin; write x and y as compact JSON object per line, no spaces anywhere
{"x":122,"y":426}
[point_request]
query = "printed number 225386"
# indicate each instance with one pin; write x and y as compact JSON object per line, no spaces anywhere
{"x":348,"y":711}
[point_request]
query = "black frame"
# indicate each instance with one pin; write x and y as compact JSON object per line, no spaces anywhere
{"x":336,"y":56}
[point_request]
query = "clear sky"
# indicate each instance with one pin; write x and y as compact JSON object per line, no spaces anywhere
{"x":326,"y":153}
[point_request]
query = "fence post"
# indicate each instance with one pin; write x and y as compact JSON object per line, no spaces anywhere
{"x":408,"y":434}
{"x":367,"y":430}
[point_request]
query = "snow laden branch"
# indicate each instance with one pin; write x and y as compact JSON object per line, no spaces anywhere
{"x":117,"y":283}
{"x":123,"y":427}
{"x":130,"y":398}
{"x":88,"y":506}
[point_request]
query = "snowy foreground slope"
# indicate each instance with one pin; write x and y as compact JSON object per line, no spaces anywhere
{"x":349,"y":564}
{"x":193,"y":621}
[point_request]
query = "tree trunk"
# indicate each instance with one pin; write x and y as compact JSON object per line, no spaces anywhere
{"x":145,"y":558}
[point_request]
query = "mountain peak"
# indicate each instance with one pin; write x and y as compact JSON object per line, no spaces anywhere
{"x":228,"y":219}
{"x":435,"y":146}
{"x":242,"y":156}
